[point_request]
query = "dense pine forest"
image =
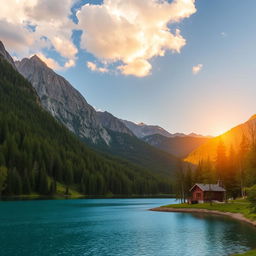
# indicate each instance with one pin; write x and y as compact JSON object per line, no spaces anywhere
{"x":37,"y":152}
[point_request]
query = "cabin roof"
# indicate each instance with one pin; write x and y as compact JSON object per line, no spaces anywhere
{"x":209,"y":187}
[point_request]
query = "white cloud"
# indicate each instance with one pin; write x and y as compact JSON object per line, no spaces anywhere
{"x":124,"y":34}
{"x":139,"y":67}
{"x":51,"y":63}
{"x":196,"y":69}
{"x":93,"y":67}
{"x":133,"y":31}
{"x":29,"y":26}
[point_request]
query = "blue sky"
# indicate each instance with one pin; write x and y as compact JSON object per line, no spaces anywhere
{"x":220,"y":36}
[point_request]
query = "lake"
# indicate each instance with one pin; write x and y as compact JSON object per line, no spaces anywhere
{"x":105,"y":227}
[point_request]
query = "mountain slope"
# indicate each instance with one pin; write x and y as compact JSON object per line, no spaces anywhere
{"x":5,"y":55}
{"x":141,"y":153}
{"x":63,"y":101}
{"x":102,"y":131}
{"x":112,"y":123}
{"x":126,"y":145}
{"x":38,"y":151}
{"x":177,"y":146}
{"x":232,"y":138}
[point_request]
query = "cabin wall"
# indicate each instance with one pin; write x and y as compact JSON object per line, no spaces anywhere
{"x":197,"y":194}
{"x":214,"y":195}
{"x":201,"y":196}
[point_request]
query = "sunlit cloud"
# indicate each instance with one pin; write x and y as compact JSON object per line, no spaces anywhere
{"x":132,"y":32}
{"x":51,"y":63}
{"x":122,"y":35}
{"x":29,"y":26}
{"x":196,"y":69}
{"x":93,"y":67}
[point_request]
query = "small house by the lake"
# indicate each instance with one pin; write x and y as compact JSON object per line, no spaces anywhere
{"x":207,"y":192}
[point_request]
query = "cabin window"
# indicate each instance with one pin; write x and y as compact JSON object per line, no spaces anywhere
{"x":198,"y":195}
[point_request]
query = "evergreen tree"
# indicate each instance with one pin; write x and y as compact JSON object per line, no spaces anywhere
{"x":3,"y":177}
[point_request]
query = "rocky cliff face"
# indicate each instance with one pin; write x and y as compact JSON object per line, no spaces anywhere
{"x":113,"y":123}
{"x":63,"y":101}
{"x":5,"y":55}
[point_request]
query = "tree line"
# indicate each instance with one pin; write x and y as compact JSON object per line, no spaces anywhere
{"x":234,"y":167}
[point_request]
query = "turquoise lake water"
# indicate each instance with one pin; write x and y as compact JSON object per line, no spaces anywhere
{"x":105,"y":227}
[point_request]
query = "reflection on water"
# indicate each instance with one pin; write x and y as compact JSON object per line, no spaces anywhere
{"x":103,"y":227}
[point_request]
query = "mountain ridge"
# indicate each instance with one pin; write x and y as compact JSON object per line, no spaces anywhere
{"x":179,"y":146}
{"x":231,"y":138}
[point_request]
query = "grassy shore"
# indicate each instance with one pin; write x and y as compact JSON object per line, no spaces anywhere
{"x":250,"y":253}
{"x":236,"y":206}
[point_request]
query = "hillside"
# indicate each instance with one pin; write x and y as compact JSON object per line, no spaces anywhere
{"x":177,"y":146}
{"x":141,"y":153}
{"x":38,"y":151}
{"x":232,"y":138}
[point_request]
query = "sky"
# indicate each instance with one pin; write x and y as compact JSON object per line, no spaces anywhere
{"x":185,"y":65}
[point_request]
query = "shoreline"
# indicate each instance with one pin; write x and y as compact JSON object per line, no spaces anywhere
{"x":236,"y":216}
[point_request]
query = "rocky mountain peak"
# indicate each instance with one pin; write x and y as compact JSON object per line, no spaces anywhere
{"x":37,"y":61}
{"x":63,"y":101}
{"x":113,"y":123}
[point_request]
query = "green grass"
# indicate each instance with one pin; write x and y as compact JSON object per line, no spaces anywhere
{"x":236,"y":206}
{"x":61,"y":190}
{"x":250,"y":253}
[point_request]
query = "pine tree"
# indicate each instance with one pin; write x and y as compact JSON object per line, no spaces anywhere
{"x":221,"y":160}
{"x":3,"y":178}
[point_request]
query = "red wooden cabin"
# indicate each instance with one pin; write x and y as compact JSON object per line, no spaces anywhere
{"x":207,"y":192}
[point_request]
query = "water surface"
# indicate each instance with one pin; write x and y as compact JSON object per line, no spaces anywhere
{"x":103,"y":227}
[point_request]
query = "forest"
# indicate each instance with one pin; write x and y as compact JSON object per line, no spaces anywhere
{"x":37,"y":152}
{"x":234,"y":168}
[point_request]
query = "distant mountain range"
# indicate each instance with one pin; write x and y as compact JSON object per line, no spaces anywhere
{"x":179,"y":146}
{"x":142,"y":130}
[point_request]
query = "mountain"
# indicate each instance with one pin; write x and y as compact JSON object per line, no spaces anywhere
{"x":63,"y":101}
{"x":177,"y":146}
{"x":141,"y":153}
{"x":142,"y":130}
{"x":102,"y":131}
{"x":233,"y":138}
{"x":111,"y":122}
{"x":6,"y":56}
{"x":126,"y":145}
{"x":40,"y":155}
